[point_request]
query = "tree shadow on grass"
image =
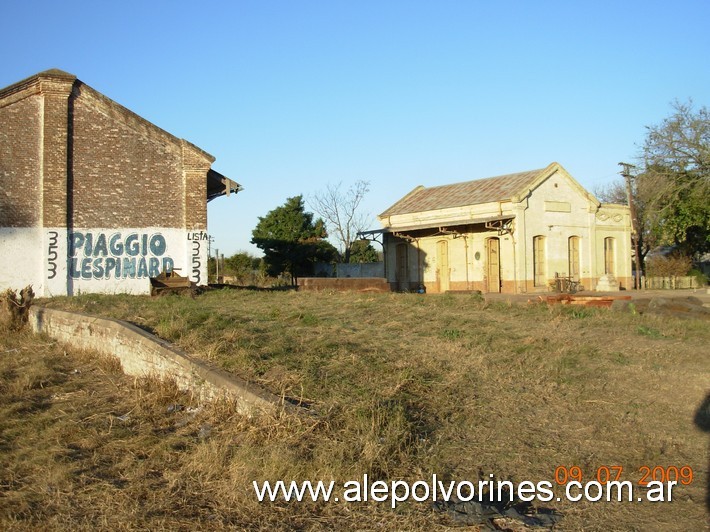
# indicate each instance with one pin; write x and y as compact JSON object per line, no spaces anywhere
{"x":702,"y":421}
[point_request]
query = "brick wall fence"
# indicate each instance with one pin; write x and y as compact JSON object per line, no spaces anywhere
{"x":349,"y":284}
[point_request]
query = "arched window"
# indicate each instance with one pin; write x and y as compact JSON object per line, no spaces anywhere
{"x":539,"y":262}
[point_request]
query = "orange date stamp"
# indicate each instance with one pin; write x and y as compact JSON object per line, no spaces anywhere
{"x":605,"y":474}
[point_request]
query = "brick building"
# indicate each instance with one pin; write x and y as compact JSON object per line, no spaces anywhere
{"x":93,"y":198}
{"x":516,"y":233}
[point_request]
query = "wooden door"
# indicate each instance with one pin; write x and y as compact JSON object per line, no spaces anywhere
{"x":493,"y":264}
{"x":442,"y":262}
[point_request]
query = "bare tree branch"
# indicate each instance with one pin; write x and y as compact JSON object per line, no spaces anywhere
{"x":340,"y":209}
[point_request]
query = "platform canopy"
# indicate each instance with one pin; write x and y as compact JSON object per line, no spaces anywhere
{"x":219,"y":185}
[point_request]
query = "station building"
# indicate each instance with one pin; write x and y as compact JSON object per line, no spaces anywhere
{"x":516,"y":233}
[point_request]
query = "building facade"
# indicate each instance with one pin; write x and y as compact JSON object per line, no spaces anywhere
{"x":517,"y":233}
{"x":93,"y":197}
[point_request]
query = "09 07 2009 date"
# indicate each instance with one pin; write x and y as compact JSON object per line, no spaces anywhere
{"x":604,"y":474}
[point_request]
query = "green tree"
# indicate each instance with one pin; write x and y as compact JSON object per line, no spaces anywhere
{"x":241,"y":264}
{"x":674,"y":181}
{"x":362,"y":251}
{"x":291,"y":240}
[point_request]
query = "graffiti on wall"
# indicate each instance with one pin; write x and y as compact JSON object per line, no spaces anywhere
{"x":117,"y":255}
{"x":52,"y":254}
{"x":196,"y":241}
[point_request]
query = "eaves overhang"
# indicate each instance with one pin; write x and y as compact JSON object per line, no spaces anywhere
{"x":450,"y":226}
{"x":219,"y":185}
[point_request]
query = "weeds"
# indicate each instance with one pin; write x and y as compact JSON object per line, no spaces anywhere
{"x":451,"y":334}
{"x":402,"y":386}
{"x":580,"y":313}
{"x":649,"y":331}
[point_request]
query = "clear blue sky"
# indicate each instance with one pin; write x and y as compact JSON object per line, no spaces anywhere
{"x":292,"y":95}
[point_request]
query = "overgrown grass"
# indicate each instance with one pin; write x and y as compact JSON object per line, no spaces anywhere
{"x":402,"y":385}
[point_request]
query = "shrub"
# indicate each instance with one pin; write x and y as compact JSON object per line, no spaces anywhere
{"x":14,"y":309}
{"x":675,"y":265}
{"x":700,"y":278}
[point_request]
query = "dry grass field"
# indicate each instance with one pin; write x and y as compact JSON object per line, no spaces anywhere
{"x":400,"y":386}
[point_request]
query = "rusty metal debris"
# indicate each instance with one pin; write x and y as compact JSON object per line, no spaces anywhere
{"x":587,"y":301}
{"x":170,"y":282}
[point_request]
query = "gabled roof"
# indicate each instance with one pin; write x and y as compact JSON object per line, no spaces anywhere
{"x":460,"y":194}
{"x":509,"y":187}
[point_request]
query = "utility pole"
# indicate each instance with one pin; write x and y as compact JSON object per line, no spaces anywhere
{"x":216,"y":262}
{"x":626,"y":173}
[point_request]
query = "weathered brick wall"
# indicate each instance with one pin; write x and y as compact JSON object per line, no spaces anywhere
{"x":59,"y":135}
{"x":126,"y":174}
{"x":196,"y":164}
{"x":55,"y":152}
{"x":20,"y":163}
